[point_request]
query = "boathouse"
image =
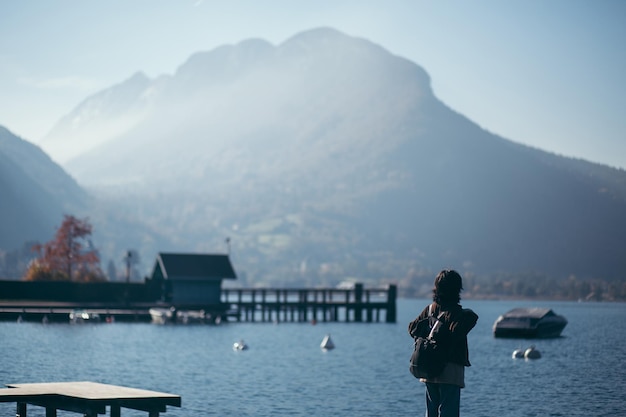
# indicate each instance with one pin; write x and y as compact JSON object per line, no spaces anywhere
{"x":192,"y":279}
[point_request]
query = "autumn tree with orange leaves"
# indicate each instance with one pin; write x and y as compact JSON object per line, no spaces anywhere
{"x":68,"y":257}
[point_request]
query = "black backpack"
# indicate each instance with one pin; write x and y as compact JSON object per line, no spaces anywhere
{"x":429,"y":354}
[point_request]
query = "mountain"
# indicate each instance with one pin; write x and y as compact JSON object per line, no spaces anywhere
{"x":99,"y":118}
{"x":327,"y":157}
{"x":36,"y":194}
{"x":35,"y":191}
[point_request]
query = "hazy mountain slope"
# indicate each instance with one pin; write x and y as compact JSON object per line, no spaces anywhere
{"x":326,"y":157}
{"x":35,"y":192}
{"x":99,"y":118}
{"x":35,"y":195}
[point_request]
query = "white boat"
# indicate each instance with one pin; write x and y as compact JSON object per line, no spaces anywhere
{"x":160,"y":315}
{"x":529,"y":323}
{"x":172,"y":315}
{"x":82,"y":316}
{"x":327,"y":343}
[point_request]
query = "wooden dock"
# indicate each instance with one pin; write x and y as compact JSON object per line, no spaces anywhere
{"x":312,"y":305}
{"x":59,"y":312}
{"x":356,"y":305}
{"x":87,"y":398}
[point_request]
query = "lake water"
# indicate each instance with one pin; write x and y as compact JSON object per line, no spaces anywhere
{"x":285,"y":373}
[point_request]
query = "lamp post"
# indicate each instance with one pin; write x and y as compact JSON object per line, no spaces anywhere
{"x":128,"y":258}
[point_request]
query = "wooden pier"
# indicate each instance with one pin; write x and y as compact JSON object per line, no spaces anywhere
{"x":59,"y":312}
{"x":356,"y":305}
{"x":312,"y":305}
{"x":87,"y":398}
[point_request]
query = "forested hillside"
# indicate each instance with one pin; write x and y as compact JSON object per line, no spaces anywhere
{"x":326,"y":158}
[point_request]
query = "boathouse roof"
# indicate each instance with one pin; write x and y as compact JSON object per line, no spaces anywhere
{"x":193,"y":266}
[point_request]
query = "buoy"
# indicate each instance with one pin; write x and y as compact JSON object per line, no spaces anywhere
{"x":327,"y":343}
{"x":240,"y":345}
{"x":518,"y":353}
{"x":532,"y":353}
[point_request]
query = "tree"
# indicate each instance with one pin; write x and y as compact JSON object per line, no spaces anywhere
{"x":70,"y":256}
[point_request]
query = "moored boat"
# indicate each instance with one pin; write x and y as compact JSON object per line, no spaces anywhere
{"x":83,"y":316}
{"x":172,"y":315}
{"x":529,"y":323}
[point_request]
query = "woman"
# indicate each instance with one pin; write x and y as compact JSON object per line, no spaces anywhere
{"x":443,"y":392}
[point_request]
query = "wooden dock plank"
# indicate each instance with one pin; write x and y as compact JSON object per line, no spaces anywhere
{"x":95,"y":391}
{"x":89,"y":398}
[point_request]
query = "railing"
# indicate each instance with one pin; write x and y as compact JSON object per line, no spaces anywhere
{"x":326,"y":304}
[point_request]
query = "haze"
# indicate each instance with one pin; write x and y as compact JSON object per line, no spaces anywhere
{"x":548,"y":74}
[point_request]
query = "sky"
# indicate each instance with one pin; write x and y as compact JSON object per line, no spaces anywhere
{"x":548,"y":74}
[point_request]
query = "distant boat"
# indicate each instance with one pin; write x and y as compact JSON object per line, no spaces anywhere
{"x":83,"y":316}
{"x":327,"y":343}
{"x":161,"y":315}
{"x":171,"y":315}
{"x":529,"y":323}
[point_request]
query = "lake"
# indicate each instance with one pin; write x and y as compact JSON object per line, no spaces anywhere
{"x":285,"y":373}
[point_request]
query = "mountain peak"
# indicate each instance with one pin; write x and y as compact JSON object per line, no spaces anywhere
{"x":319,"y":34}
{"x":225,"y":62}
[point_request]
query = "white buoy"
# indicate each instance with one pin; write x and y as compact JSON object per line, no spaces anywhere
{"x":532,"y":353}
{"x":240,"y":345}
{"x":518,"y":353}
{"x":327,"y":343}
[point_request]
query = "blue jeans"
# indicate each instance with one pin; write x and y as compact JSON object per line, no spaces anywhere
{"x":442,"y":400}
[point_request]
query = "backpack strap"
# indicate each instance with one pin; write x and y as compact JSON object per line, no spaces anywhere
{"x":438,"y":321}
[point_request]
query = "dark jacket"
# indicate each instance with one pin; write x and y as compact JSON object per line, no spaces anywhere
{"x":458,"y":322}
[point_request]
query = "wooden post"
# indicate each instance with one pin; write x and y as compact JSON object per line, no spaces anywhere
{"x":51,"y":412}
{"x":358,"y":299}
{"x":115,"y":411}
{"x":263,"y":306}
{"x":392,"y":293}
{"x":21,"y":410}
{"x":253,"y":304}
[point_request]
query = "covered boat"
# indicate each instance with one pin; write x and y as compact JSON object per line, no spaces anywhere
{"x":171,"y":315}
{"x":83,"y":316}
{"x":529,"y":323}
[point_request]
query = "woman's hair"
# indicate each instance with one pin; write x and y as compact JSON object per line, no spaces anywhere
{"x":448,"y":286}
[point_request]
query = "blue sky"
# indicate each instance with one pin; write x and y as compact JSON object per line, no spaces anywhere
{"x":550,"y":74}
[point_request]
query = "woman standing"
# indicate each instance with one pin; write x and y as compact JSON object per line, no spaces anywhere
{"x":443,"y":392}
